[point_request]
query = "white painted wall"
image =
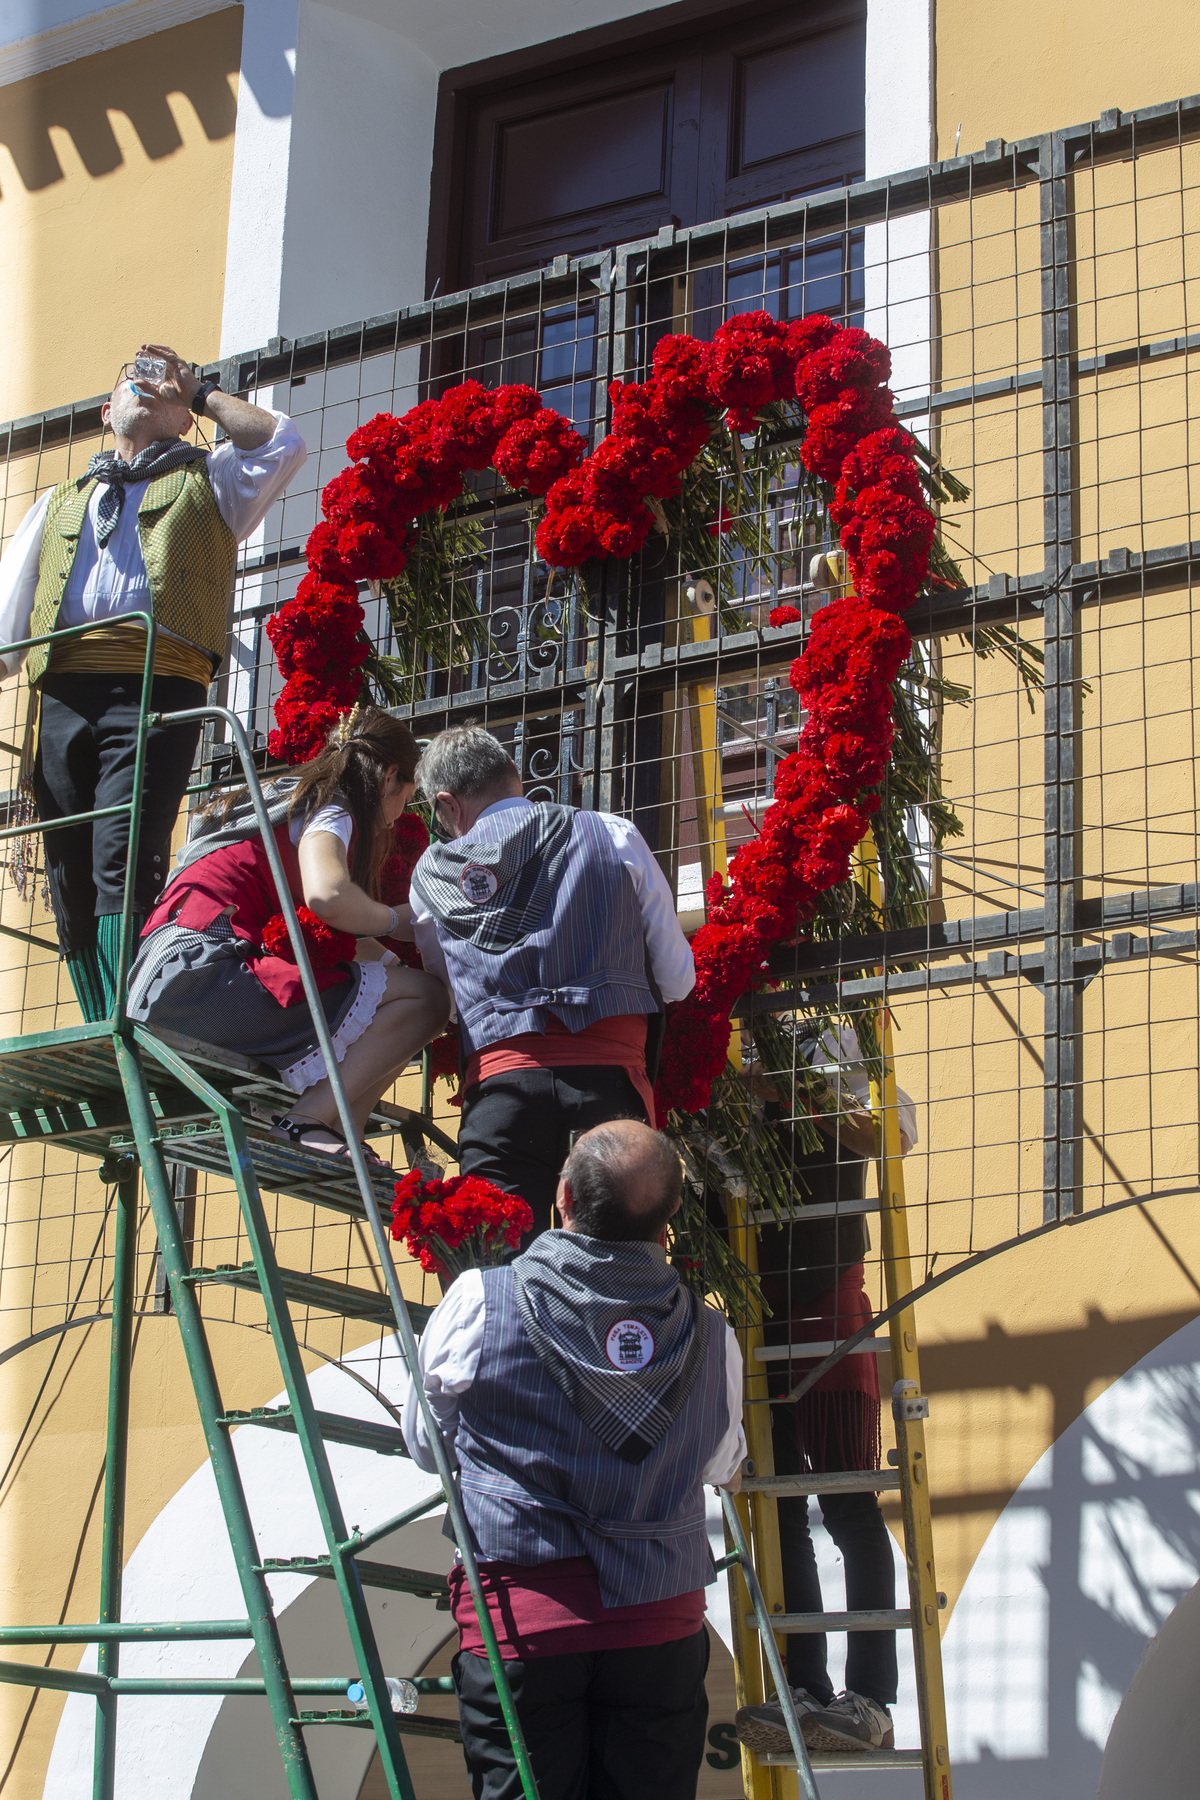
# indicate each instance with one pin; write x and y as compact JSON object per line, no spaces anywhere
{"x":183,"y":1568}
{"x":330,"y":203}
{"x":900,"y":135}
{"x":1154,"y":1746}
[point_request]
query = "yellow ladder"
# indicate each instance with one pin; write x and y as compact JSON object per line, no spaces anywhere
{"x":772,"y":1777}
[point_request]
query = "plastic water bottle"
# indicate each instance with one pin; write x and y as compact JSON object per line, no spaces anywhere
{"x":150,"y":368}
{"x":403,"y":1695}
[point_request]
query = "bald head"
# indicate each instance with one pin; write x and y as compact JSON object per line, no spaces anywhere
{"x":621,"y":1183}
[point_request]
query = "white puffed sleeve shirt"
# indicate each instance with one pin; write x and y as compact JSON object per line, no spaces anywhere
{"x":106,"y":582}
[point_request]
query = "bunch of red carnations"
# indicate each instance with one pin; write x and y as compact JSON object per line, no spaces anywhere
{"x":885,"y":522}
{"x":658,"y":429}
{"x":319,"y":646}
{"x":326,"y":947}
{"x":401,"y":468}
{"x":463,"y":1223}
{"x":411,"y":842}
{"x":824,"y":799}
{"x":824,"y":793}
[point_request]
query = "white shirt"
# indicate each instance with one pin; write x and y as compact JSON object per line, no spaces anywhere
{"x":333,"y":819}
{"x":669,"y":952}
{"x":104,"y":583}
{"x":449,"y":1356}
{"x":849,"y":1079}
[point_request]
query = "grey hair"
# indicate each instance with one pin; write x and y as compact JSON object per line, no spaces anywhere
{"x":600,"y":1171}
{"x":465,"y":761}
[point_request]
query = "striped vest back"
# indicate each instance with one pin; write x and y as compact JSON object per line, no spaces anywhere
{"x":585,"y":961}
{"x":537,"y":1484}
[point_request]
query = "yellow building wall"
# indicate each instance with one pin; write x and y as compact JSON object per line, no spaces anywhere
{"x":114,"y":185}
{"x":1026,"y":66}
{"x":114,"y":206}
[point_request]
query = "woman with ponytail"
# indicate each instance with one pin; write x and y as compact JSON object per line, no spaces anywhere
{"x":216,"y":962}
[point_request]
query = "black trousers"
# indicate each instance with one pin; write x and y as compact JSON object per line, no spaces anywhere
{"x":87,"y":745}
{"x":516,"y":1128}
{"x":605,"y":1725}
{"x":855,"y":1524}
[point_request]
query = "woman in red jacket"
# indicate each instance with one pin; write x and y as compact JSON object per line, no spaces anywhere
{"x":202,"y":968}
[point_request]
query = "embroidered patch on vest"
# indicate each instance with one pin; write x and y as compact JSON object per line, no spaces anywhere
{"x":478,"y":884}
{"x":629,"y":1345}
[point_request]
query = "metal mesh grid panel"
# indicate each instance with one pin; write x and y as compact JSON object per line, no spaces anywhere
{"x":1037,"y":299}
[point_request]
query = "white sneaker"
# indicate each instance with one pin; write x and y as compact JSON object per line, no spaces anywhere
{"x":764,"y":1729}
{"x":851,"y":1722}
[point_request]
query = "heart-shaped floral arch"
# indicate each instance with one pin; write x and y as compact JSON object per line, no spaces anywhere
{"x":874,"y":479}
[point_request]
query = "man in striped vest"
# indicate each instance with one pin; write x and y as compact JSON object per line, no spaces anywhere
{"x":557,"y":934}
{"x":588,"y":1397}
{"x":152,"y":527}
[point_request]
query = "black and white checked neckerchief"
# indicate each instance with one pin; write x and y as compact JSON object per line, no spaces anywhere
{"x":616,"y":1331}
{"x":149,"y":464}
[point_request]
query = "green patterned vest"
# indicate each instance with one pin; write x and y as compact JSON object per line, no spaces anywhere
{"x":190,"y":555}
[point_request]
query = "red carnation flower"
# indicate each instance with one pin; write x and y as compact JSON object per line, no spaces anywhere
{"x":368,"y":553}
{"x":326,"y":947}
{"x":813,"y":333}
{"x":535,"y":453}
{"x":381,"y":437}
{"x":463,"y":1223}
{"x":323,"y":555}
{"x":785,"y":615}
{"x":515,"y":401}
{"x":411,"y":842}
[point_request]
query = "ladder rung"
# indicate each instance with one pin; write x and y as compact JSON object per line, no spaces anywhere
{"x":315,"y":1290}
{"x":807,"y":1352}
{"x":801,"y":1624}
{"x":853,"y":1759}
{"x":407,"y":1724}
{"x":839,"y":1481}
{"x":371,"y":1574}
{"x":809,"y":1215}
{"x":335,"y":1429}
{"x":280,"y":1169}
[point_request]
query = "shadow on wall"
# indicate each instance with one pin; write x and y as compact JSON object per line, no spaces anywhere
{"x":1090,"y":1557}
{"x":1087,"y":1560}
{"x":135,"y":80}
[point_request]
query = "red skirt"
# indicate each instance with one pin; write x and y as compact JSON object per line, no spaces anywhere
{"x":838,"y":1418}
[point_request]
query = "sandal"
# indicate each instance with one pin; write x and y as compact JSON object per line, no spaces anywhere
{"x":377,"y":1164}
{"x":294,"y":1131}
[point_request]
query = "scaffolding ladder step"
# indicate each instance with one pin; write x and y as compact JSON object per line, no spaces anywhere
{"x":371,"y":1574}
{"x":280,"y":1169}
{"x":875,"y":1346}
{"x":890,"y":1618}
{"x":334,"y":1428}
{"x":316,"y":1290}
{"x":407,"y":1724}
{"x":852,"y":1759}
{"x":812,"y":1214}
{"x":840,"y":1481}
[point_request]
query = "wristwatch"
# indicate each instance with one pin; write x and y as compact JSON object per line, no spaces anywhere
{"x":199,"y":399}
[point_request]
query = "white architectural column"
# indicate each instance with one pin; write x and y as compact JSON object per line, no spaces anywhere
{"x":329,"y":211}
{"x":261,"y":166}
{"x":900,"y":134}
{"x":329,"y":205}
